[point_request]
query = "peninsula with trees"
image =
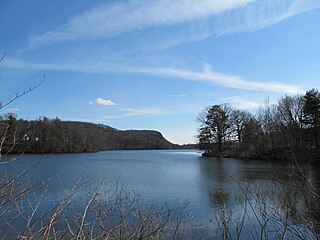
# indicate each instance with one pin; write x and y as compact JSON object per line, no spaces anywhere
{"x":291,"y":127}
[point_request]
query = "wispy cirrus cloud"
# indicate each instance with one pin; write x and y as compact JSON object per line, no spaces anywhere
{"x":251,"y":17}
{"x":129,"y":112}
{"x":264,"y":13}
{"x":243,"y":103}
{"x":13,"y":110}
{"x":177,"y":95}
{"x":187,"y":20}
{"x":109,"y":20}
{"x":123,"y":113}
{"x":207,"y":75}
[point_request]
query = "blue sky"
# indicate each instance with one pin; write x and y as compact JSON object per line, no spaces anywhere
{"x":142,"y":64}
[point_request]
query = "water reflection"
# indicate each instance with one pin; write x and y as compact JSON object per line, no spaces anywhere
{"x":254,"y":188}
{"x":265,"y":193}
{"x":221,"y":181}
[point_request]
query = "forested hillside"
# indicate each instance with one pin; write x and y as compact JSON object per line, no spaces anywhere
{"x":56,"y":136}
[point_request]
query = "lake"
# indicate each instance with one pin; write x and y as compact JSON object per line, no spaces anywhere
{"x":209,"y":185}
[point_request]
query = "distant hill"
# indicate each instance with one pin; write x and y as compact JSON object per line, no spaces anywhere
{"x":56,"y":136}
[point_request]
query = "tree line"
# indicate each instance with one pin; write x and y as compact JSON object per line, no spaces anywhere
{"x":55,"y":136}
{"x":290,"y":125}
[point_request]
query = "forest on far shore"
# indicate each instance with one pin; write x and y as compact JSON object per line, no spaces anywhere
{"x":289,"y":128}
{"x":55,"y":136}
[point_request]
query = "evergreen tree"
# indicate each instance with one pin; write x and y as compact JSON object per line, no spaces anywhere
{"x":215,"y":128}
{"x":311,"y":110}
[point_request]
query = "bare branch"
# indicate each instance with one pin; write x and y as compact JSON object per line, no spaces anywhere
{"x":85,"y":215}
{"x":2,"y":56}
{"x":18,"y":95}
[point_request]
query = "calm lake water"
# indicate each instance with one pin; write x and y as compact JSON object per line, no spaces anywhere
{"x":207,"y":184}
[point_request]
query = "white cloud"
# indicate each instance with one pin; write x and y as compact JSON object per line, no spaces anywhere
{"x":192,"y":20}
{"x":13,"y":110}
{"x":243,"y":103}
{"x":206,"y":75}
{"x":138,"y":112}
{"x":177,"y":95}
{"x":104,"y":102}
{"x":264,"y":13}
{"x":251,"y":17}
{"x":109,"y":20}
{"x":90,"y":102}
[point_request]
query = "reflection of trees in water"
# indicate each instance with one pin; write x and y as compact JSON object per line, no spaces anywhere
{"x":221,"y":188}
{"x":291,"y":188}
{"x":269,"y":200}
{"x":314,"y":177}
{"x":297,"y":194}
{"x":219,"y":197}
{"x":214,"y":170}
